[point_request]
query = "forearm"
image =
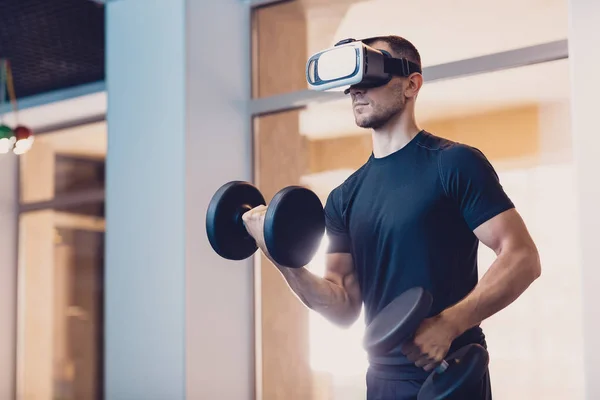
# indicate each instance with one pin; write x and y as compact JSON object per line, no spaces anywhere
{"x":321,"y":295}
{"x":507,"y":278}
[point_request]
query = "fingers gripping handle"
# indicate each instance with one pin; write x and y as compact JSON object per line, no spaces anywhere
{"x":442,"y":366}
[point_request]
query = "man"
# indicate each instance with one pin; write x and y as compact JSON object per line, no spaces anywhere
{"x":413,"y":215}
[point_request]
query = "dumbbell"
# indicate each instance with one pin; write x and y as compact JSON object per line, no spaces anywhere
{"x":398,"y":322}
{"x":294,"y":223}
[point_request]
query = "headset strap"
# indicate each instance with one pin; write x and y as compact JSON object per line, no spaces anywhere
{"x":400,"y":66}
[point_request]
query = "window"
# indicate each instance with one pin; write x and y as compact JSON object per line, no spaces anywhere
{"x":61,"y":265}
{"x":485,"y":86}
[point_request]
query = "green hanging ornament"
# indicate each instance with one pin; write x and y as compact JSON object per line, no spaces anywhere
{"x":7,"y":135}
{"x":6,"y":132}
{"x":7,"y":139}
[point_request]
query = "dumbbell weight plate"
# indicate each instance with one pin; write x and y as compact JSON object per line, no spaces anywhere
{"x":466,"y":366}
{"x":294,"y":226}
{"x":397,"y":321}
{"x":224,"y":226}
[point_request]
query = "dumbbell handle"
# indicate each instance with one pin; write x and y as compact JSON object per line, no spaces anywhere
{"x":442,"y":367}
{"x":238,"y":216}
{"x":243,"y":210}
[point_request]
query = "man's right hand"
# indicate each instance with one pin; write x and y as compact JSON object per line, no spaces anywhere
{"x":254,"y":221}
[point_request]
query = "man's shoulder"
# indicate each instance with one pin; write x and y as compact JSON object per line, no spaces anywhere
{"x":464,"y":157}
{"x":452,"y":153}
{"x":350,"y":182}
{"x":442,"y":144}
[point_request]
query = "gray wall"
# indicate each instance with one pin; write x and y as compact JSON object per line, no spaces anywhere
{"x":145,"y":189}
{"x":178,"y":318}
{"x":220,"y":324}
{"x":8,"y":273}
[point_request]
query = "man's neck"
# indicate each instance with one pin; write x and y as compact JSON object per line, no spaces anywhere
{"x":396,"y":134}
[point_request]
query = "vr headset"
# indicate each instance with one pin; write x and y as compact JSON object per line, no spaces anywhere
{"x":352,"y":63}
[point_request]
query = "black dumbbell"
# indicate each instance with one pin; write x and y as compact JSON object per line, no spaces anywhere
{"x":293,"y":230}
{"x":397,"y":323}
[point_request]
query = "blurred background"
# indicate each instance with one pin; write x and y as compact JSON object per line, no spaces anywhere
{"x":132,"y":113}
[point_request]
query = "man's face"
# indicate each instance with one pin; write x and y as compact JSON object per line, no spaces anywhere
{"x":374,"y":107}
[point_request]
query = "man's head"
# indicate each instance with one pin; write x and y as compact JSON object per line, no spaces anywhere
{"x":374,"y":107}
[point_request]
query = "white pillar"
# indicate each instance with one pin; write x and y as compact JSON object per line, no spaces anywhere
{"x":179,"y":319}
{"x":8,"y":273}
{"x":584,"y":37}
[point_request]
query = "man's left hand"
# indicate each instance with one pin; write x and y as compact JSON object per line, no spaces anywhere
{"x":431,"y":342}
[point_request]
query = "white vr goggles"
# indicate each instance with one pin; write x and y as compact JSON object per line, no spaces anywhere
{"x":352,"y":63}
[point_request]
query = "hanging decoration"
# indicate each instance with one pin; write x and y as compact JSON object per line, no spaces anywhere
{"x":20,"y":138}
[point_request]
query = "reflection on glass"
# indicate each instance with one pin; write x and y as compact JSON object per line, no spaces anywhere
{"x":60,"y":341}
{"x":77,"y":173}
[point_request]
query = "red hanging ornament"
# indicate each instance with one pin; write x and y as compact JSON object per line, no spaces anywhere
{"x":24,"y":139}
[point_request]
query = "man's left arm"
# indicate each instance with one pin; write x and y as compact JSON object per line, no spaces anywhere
{"x":516,"y":266}
{"x":470,"y":181}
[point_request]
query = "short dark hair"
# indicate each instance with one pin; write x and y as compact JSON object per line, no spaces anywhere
{"x":401,"y":47}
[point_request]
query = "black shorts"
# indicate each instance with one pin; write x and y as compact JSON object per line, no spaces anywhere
{"x":390,"y":388}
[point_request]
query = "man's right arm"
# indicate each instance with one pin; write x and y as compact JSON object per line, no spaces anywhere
{"x":336,"y":295}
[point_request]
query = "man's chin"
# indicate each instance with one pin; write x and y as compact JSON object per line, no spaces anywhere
{"x":362,"y":122}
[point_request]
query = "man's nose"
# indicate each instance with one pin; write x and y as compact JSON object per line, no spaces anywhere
{"x":354,"y":90}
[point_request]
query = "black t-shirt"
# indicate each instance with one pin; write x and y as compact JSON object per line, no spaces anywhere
{"x":408,"y":220}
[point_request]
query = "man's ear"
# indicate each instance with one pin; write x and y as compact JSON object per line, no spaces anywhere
{"x":415,"y":82}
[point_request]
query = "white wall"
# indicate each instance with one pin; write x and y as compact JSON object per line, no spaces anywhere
{"x":219,"y":293}
{"x":584,"y":58}
{"x":8,"y":273}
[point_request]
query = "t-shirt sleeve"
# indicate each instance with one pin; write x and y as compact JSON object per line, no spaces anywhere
{"x":336,"y":230}
{"x":471,"y":182}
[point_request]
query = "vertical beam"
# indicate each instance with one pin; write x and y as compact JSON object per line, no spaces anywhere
{"x":8,"y":273}
{"x":584,"y":18}
{"x":36,"y":306}
{"x":36,"y":277}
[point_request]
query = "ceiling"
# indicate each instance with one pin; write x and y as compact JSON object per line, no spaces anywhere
{"x":52,"y":44}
